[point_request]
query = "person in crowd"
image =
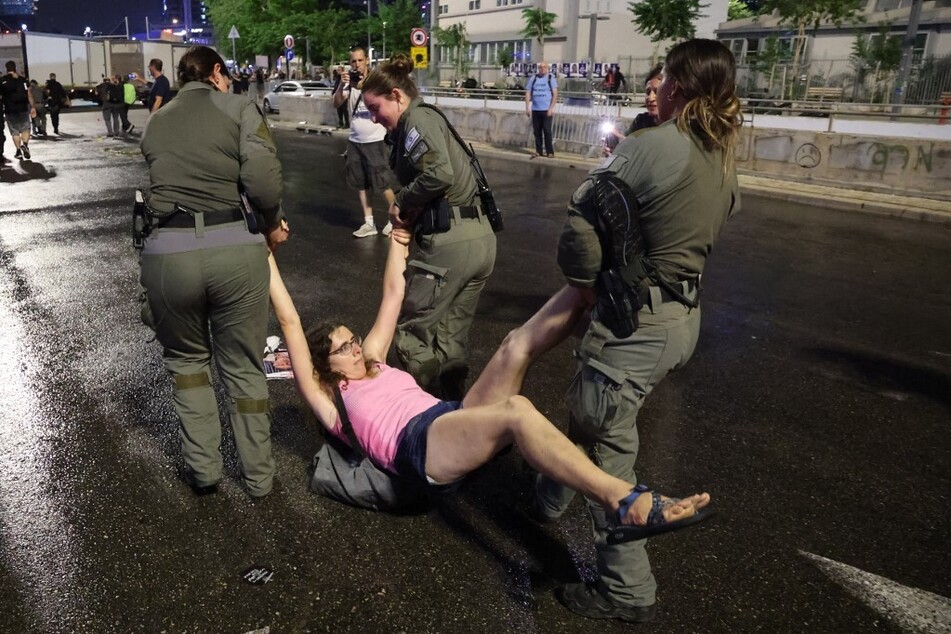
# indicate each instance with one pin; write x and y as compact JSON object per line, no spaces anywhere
{"x":161,"y":90}
{"x":260,"y":84}
{"x":204,"y":272}
{"x":18,"y":109}
{"x":343,"y":110}
{"x":367,"y":164}
{"x":58,"y":99}
{"x":439,"y":200}
{"x":38,"y":94}
{"x":679,"y":181}
{"x":647,"y":119}
{"x":435,"y":443}
{"x":541,"y":96}
{"x":128,"y":98}
{"x":111,"y":95}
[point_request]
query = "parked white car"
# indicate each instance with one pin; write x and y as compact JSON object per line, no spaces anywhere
{"x":272,"y":100}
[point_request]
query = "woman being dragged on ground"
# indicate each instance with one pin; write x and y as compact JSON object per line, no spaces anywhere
{"x":412,"y":434}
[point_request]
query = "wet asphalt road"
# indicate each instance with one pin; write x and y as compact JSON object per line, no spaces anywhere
{"x":815,"y":411}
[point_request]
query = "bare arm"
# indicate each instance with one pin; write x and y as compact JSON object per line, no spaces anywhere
{"x":554,"y":101}
{"x":342,"y":92}
{"x":156,"y":105}
{"x":301,"y":363}
{"x":378,"y":341}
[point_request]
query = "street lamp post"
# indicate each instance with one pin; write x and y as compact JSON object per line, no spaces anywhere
{"x":368,"y":31}
{"x":384,"y":40}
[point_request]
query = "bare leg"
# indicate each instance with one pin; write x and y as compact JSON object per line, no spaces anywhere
{"x":364,"y":203}
{"x":504,"y":374}
{"x":464,"y":440}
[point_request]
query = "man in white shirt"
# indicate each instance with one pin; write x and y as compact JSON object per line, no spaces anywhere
{"x":367,"y":161}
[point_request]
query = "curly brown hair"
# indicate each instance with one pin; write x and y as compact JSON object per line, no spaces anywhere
{"x":318,"y":343}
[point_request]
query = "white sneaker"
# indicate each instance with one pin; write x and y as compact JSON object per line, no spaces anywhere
{"x":365,"y":231}
{"x":388,"y":229}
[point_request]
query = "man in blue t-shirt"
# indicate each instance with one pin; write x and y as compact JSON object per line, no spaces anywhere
{"x":541,"y":95}
{"x":161,"y":90}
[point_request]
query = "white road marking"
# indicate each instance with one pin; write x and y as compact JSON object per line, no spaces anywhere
{"x":911,"y":609}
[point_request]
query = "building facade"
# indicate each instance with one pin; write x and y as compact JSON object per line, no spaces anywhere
{"x":583,"y":27}
{"x":827,"y":54}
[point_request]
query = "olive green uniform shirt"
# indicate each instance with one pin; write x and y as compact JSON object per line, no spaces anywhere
{"x":684,"y":198}
{"x":429,"y":162}
{"x":236,"y":146}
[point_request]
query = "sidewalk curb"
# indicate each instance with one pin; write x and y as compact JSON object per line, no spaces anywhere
{"x":839,"y":199}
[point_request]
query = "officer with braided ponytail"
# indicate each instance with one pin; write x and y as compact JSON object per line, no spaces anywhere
{"x":638,"y":234}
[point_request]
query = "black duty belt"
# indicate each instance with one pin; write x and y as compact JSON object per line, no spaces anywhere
{"x":644,"y":293}
{"x":468,"y":211}
{"x":184,"y":220}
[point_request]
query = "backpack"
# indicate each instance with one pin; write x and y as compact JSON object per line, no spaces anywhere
{"x":18,"y":95}
{"x":115,"y":93}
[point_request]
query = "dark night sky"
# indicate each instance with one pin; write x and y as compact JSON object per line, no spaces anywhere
{"x":72,"y":16}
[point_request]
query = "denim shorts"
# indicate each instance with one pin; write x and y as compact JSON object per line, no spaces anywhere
{"x":411,"y":445}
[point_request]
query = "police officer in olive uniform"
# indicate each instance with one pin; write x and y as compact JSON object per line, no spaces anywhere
{"x":205,"y":274}
{"x":456,"y":254}
{"x":680,"y":188}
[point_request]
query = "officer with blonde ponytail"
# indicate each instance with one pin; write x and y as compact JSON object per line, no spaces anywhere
{"x":678,"y":183}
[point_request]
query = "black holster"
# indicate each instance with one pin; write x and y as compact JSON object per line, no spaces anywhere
{"x":490,"y":209}
{"x":436,"y":217}
{"x":141,"y":220}
{"x":618,"y":304}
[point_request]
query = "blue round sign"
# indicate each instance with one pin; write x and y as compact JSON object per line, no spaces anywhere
{"x":289,"y":53}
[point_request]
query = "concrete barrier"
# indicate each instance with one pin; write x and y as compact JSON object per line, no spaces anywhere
{"x":910,"y":167}
{"x":896,"y":165}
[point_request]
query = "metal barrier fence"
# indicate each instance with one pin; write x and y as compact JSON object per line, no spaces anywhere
{"x":580,"y":117}
{"x":926,"y":82}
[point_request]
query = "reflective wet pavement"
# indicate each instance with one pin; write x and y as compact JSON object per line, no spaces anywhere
{"x":815,"y":411}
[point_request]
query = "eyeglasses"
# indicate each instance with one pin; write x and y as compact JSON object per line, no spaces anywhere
{"x":347,"y":347}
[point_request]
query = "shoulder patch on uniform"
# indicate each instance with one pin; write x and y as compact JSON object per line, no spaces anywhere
{"x":611,"y":163}
{"x":417,"y":153}
{"x":411,"y":138}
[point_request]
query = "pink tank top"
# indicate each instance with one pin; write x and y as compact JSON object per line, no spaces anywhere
{"x":379,"y":408}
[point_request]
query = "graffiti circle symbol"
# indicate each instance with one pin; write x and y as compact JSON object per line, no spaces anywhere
{"x":808,"y":155}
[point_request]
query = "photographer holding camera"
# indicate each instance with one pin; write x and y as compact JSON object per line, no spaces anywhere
{"x":439,"y":199}
{"x":367,"y":162}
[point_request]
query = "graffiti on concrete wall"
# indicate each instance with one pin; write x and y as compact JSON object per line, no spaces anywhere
{"x":883,"y":154}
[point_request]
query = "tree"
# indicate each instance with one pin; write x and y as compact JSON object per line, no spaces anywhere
{"x":737,"y":10}
{"x":401,"y":17}
{"x":538,"y":26}
{"x":456,"y":40}
{"x":805,"y":13}
{"x":666,"y":19}
{"x":880,"y":52}
{"x":505,"y":57}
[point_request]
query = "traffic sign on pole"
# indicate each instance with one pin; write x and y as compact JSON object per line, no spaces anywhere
{"x":420,"y":55}
{"x":233,"y":33}
{"x":418,"y":37}
{"x":288,"y":41}
{"x":289,"y":53}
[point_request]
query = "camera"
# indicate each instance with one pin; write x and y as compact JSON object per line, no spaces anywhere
{"x":355,"y":77}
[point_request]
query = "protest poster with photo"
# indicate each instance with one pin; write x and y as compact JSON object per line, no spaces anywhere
{"x":277,"y":361}
{"x":566,"y":69}
{"x":583,"y":69}
{"x":598,"y":72}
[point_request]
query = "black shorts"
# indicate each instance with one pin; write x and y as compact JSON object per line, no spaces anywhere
{"x":410,"y":460}
{"x":368,"y":166}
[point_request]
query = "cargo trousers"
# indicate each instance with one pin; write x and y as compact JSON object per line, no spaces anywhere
{"x":443,"y":284}
{"x":208,"y":303}
{"x":613,"y":378}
